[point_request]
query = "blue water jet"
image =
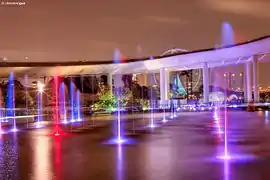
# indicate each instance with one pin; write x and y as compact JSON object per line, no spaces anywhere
{"x":11,"y":101}
{"x":78,"y":104}
{"x":62,"y":99}
{"x":71,"y":97}
{"x":227,"y":36}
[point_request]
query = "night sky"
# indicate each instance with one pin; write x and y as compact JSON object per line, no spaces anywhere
{"x":84,"y":29}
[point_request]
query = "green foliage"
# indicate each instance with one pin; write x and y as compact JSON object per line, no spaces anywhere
{"x":145,"y":104}
{"x":171,"y":94}
{"x":107,"y":101}
{"x":20,"y":98}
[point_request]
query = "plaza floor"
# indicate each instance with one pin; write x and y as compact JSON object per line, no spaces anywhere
{"x":186,"y":148}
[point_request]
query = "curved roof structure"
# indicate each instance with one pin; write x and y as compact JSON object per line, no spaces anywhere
{"x":173,"y":51}
{"x":234,"y":54}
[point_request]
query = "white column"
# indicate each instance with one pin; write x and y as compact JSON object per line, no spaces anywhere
{"x":248,"y":82}
{"x":255,"y":78}
{"x":110,"y":81}
{"x":205,"y":83}
{"x":164,"y":85}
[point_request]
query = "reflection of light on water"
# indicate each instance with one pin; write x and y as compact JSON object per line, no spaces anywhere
{"x":266,"y":120}
{"x":42,"y":168}
{"x":9,"y":157}
{"x":1,"y":153}
{"x":14,"y":129}
{"x":121,"y":141}
{"x":119,"y":163}
{"x":239,"y":158}
{"x":159,"y":159}
{"x":226,"y":170}
{"x":217,"y":119}
{"x":57,"y":157}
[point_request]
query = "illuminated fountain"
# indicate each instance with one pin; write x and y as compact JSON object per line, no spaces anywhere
{"x":164,"y":120}
{"x":11,"y":101}
{"x":78,"y":105}
{"x":118,"y":82}
{"x":227,"y":35}
{"x":26,"y":99}
{"x":40,"y":87}
{"x":217,"y":118}
{"x":62,"y":98}
{"x":152,"y":123}
{"x":71,"y":97}
{"x":1,"y":111}
{"x":227,"y":38}
{"x":172,"y":109}
{"x":56,"y":104}
{"x":152,"y":119}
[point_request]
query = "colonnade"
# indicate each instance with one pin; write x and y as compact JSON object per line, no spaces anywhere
{"x":164,"y":81}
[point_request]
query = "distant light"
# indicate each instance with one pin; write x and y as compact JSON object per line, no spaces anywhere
{"x":4,"y":58}
{"x":40,"y":87}
{"x":224,"y":74}
{"x":14,"y":130}
{"x":26,"y":57}
{"x":233,"y":74}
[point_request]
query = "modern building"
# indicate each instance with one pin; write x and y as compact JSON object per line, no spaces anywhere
{"x":246,"y":54}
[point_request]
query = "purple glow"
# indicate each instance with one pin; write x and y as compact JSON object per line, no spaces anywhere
{"x":38,"y":125}
{"x":237,"y":157}
{"x":14,"y":129}
{"x":217,"y":119}
{"x":116,"y":141}
{"x":119,"y":162}
{"x":151,"y":126}
{"x":226,"y":170}
{"x":225,"y":157}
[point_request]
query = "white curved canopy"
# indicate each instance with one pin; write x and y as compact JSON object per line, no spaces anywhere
{"x":187,"y":60}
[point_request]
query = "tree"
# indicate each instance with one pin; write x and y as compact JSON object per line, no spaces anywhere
{"x":107,"y":101}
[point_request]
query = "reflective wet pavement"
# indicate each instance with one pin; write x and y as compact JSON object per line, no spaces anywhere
{"x":184,"y":148}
